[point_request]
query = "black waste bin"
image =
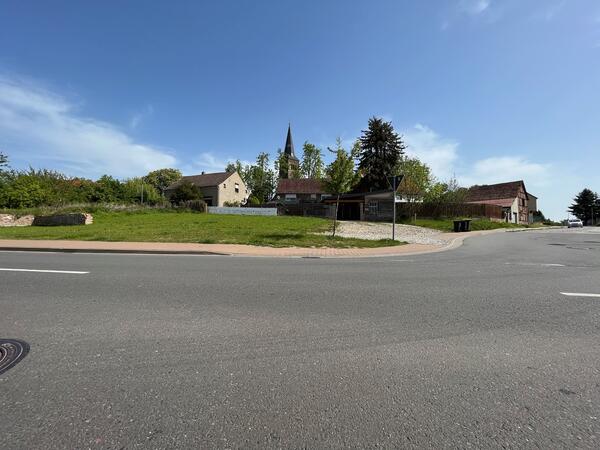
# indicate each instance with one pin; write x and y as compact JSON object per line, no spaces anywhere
{"x":462,"y":225}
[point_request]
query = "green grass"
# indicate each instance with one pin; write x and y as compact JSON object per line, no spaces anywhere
{"x":171,"y":226}
{"x":448,"y":224}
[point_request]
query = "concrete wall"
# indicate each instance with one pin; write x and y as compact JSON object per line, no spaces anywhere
{"x":243,"y":211}
{"x":62,"y":219}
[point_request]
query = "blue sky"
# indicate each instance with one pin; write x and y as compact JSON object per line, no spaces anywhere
{"x":488,"y":90}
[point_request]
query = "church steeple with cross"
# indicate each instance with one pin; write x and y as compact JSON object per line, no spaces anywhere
{"x":293,"y":164}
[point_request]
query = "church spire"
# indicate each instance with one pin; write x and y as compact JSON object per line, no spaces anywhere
{"x":289,"y":143}
{"x":291,"y":165}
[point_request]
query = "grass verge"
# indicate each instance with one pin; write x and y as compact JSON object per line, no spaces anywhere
{"x":447,"y":225}
{"x":171,"y":226}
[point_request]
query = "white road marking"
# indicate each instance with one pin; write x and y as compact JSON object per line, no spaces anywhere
{"x":75,"y":272}
{"x":579,"y":294}
{"x":534,"y":264}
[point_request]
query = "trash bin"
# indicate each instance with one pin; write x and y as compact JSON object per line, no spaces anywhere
{"x":463,"y":225}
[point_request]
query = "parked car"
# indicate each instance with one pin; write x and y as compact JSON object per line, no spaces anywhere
{"x":575,"y":223}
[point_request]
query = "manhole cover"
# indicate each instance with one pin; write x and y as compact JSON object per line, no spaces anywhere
{"x":11,"y":352}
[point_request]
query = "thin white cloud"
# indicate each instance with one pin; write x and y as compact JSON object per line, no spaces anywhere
{"x":38,"y":126}
{"x":208,"y":162}
{"x":474,"y":7}
{"x":550,"y":12}
{"x":554,"y":184}
{"x":138,"y":117}
{"x":438,"y":153}
{"x":506,"y":168}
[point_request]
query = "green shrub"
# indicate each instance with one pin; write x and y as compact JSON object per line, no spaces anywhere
{"x":136,"y":190}
{"x":24,"y":192}
{"x":186,"y":191}
{"x":194,"y":205}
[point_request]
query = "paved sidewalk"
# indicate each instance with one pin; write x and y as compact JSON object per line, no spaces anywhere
{"x":450,"y":241}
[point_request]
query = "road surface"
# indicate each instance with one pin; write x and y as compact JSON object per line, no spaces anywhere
{"x":496,"y":343}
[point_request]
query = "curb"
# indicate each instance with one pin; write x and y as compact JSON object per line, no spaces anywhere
{"x":112,"y":251}
{"x":451,"y":244}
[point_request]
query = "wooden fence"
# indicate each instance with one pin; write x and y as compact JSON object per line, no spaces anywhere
{"x":434,"y":210}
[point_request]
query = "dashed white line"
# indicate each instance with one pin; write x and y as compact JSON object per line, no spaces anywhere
{"x":73,"y":272}
{"x":535,"y":264}
{"x":580,"y":294}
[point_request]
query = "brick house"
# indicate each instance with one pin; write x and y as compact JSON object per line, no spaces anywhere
{"x":217,"y":188}
{"x":512,"y":197}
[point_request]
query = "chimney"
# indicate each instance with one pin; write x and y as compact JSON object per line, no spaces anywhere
{"x":203,"y":172}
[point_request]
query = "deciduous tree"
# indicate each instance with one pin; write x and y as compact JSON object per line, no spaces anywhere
{"x":339,"y":176}
{"x":312,"y":161}
{"x":161,"y":179}
{"x":417,"y":180}
{"x":261,"y":180}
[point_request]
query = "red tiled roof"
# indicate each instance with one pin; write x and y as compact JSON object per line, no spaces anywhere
{"x":501,"y":191}
{"x":204,"y":180}
{"x":300,"y":186}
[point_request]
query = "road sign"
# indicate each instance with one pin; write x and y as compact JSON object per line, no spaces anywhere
{"x":394,"y":181}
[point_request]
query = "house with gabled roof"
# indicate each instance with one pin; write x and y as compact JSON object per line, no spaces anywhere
{"x":217,"y":188}
{"x":512,"y":197}
{"x":294,"y":190}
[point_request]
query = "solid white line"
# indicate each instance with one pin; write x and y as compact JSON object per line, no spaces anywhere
{"x":576,"y":294}
{"x":75,"y":272}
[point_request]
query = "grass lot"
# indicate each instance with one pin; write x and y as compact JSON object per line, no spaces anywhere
{"x":172,"y":226}
{"x":448,"y":224}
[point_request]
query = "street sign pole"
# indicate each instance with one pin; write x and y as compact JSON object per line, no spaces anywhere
{"x":394,"y":200}
{"x":393,"y":181}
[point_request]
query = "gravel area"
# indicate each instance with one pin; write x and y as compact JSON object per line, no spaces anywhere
{"x":378,"y":230}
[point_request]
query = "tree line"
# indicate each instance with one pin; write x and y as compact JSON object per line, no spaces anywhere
{"x":377,"y":154}
{"x":42,"y":187}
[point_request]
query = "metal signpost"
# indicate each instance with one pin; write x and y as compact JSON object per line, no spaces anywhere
{"x":394,"y":181}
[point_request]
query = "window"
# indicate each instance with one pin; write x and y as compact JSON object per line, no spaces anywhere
{"x":237,"y":188}
{"x":290,"y":198}
{"x":373,"y":207}
{"x":224,"y":186}
{"x":313,"y":196}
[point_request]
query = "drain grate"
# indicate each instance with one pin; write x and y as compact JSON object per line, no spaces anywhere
{"x":11,"y":352}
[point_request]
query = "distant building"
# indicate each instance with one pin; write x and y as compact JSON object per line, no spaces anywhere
{"x":293,"y":164}
{"x":217,"y":188}
{"x":299,"y":190}
{"x":513,"y":197}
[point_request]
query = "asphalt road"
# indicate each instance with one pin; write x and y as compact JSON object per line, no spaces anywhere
{"x":474,"y":347}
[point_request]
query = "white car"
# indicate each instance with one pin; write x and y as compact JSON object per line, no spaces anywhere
{"x":575,"y":223}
